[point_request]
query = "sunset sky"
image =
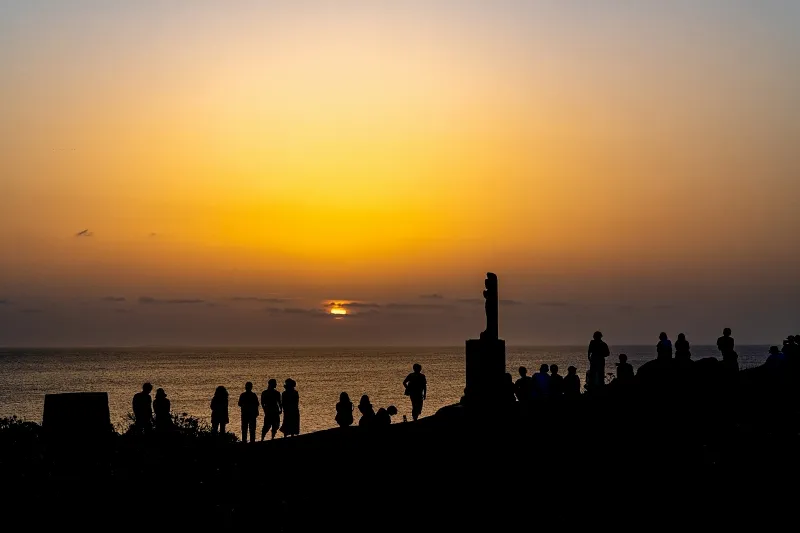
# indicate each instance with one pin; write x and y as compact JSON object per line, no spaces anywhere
{"x":244,"y":168}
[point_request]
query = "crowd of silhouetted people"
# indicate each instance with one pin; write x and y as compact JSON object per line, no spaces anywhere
{"x":282,"y":410}
{"x":150,"y":415}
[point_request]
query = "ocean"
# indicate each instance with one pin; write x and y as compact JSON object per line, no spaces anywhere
{"x":190,"y":375}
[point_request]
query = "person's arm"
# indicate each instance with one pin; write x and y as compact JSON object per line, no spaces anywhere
{"x":240,"y":400}
{"x":425,"y":388}
{"x":405,"y":381}
{"x":589,"y":352}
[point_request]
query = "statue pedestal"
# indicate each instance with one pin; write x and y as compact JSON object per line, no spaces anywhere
{"x":486,"y":367}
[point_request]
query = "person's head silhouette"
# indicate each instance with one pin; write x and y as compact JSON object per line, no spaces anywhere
{"x":726,"y":332}
{"x":774,"y":350}
{"x":271,"y":384}
{"x":344,"y":398}
{"x":248,"y":386}
{"x":160,"y":394}
{"x":523,"y":371}
{"x":554,"y":369}
{"x":221,"y":392}
{"x":365,"y":401}
{"x":417,"y":368}
{"x":544,"y":369}
{"x":392,"y":410}
{"x":623,"y":358}
{"x":681,"y":337}
{"x":572,"y":371}
{"x":662,"y":336}
{"x":290,"y":384}
{"x":147,"y":388}
{"x":597,"y":335}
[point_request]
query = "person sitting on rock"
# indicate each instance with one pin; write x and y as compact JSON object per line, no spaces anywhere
{"x":572,"y":383}
{"x":682,"y":352}
{"x":344,"y":411}
{"x":624,"y":369}
{"x":367,"y":412}
{"x":664,"y":347}
{"x":541,"y":383}
{"x":383,"y":417}
{"x":776,"y":357}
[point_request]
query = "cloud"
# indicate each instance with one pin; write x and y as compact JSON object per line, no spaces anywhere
{"x":553,"y":304}
{"x":415,"y":307}
{"x":30,"y":311}
{"x":84,"y":233}
{"x":433,"y":296}
{"x":113,"y":299}
{"x":354,"y":305}
{"x":510,"y":302}
{"x":306,"y":312}
{"x":259,"y":299}
{"x":471,"y":300}
{"x":177,"y":301}
{"x":153,"y":234}
{"x":5,"y":302}
{"x":123,"y":311}
{"x":663,"y":306}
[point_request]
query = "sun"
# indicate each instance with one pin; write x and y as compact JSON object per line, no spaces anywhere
{"x":338,"y":311}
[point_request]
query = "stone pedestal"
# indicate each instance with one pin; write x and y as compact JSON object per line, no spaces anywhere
{"x":486,"y":367}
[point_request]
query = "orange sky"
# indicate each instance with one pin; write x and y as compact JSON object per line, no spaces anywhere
{"x":629,"y":155}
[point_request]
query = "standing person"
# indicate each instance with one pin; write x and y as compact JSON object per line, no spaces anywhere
{"x":271,"y":404}
{"x":291,"y":409}
{"x":523,"y":388}
{"x":556,"y":382}
{"x":344,"y":411}
{"x":219,"y":410}
{"x":664,"y":347}
{"x":367,"y":412}
{"x":248,"y":402}
{"x":572,"y":383}
{"x":598,"y":351}
{"x":417,"y":389}
{"x":143,"y":409}
{"x":161,"y":407}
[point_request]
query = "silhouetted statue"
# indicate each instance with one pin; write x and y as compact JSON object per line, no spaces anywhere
{"x":383,"y":417}
{"x":598,"y":351}
{"x":367,"y":412}
{"x":248,"y":402}
{"x":490,"y":294}
{"x":541,"y":383}
{"x":572,"y":383}
{"x":344,"y":411}
{"x":143,"y":409}
{"x":556,"y":382}
{"x":664,"y":347}
{"x":291,"y":409}
{"x":726,"y":346}
{"x":219,"y":410}
{"x":523,"y":388}
{"x":776,"y":358}
{"x":417,"y":389}
{"x":682,"y":349}
{"x":625,"y":373}
{"x":161,"y":408}
{"x":272,"y":406}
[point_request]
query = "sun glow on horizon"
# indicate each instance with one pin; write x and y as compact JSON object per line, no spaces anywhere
{"x":340,"y":311}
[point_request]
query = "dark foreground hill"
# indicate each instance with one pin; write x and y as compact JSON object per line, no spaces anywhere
{"x":693,"y":446}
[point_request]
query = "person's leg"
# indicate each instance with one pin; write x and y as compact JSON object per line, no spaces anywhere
{"x":222,"y":427}
{"x":244,"y":429}
{"x":252,"y":430}
{"x":215,"y":428}
{"x":264,"y":429}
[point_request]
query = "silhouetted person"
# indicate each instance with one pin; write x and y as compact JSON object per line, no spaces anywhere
{"x":417,"y":389}
{"x":383,"y":417}
{"x":271,"y":404}
{"x":541,"y":382}
{"x":775,"y":357}
{"x":572,"y":383}
{"x":509,"y":396}
{"x":161,"y":408}
{"x":726,"y":346}
{"x":791,"y":348}
{"x":598,"y":351}
{"x":344,"y":411}
{"x":219,"y":410}
{"x":664,"y":347}
{"x":143,"y":409}
{"x":556,"y":382}
{"x":523,"y":388}
{"x":248,"y":402}
{"x":624,"y":369}
{"x":682,"y":349}
{"x":367,"y":412}
{"x":291,"y":409}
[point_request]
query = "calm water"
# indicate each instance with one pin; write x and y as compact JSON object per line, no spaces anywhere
{"x":190,"y":375}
